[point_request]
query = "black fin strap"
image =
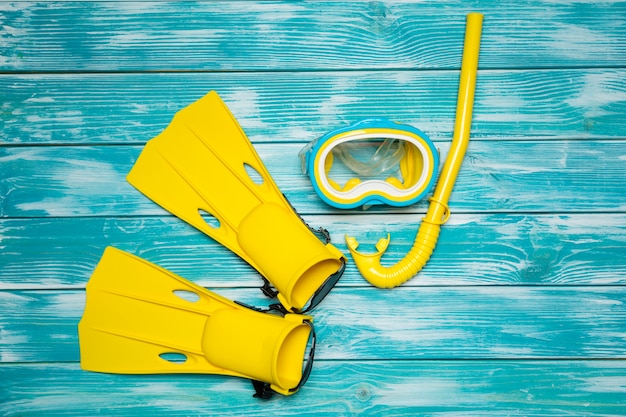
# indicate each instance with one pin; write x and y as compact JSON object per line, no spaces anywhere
{"x":321,"y":232}
{"x":278,"y":308}
{"x":262,"y":390}
{"x":268,"y":290}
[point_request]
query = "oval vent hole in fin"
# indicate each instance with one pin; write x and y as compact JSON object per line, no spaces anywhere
{"x":254,"y":175}
{"x":210,"y":219}
{"x":187,"y":295}
{"x":174,"y":357}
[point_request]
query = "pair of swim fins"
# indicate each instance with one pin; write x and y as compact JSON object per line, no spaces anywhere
{"x":140,"y":318}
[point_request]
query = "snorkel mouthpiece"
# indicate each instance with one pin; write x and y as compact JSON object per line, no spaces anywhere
{"x":369,"y":264}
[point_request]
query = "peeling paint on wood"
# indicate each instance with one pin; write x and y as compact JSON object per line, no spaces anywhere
{"x":521,"y":309}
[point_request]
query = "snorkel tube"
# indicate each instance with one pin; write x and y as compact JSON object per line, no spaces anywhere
{"x":438,"y":212}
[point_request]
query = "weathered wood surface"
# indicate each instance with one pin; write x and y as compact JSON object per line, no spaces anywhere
{"x":526,"y":104}
{"x":474,"y":249}
{"x":504,"y":176}
{"x":520,"y":311}
{"x":460,"y":322}
{"x":231,"y":35}
{"x":344,"y":388}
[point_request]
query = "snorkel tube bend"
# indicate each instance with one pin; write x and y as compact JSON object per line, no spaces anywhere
{"x":369,"y":264}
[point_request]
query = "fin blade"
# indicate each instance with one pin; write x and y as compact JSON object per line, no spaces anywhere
{"x":199,"y":163}
{"x":133,"y":316}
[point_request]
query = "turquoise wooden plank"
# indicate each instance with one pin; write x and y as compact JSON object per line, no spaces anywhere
{"x":473,"y":249}
{"x":510,"y":177}
{"x":301,"y":106}
{"x":135,"y":36}
{"x":342,"y":388}
{"x":366,"y":323}
{"x":519,"y":312}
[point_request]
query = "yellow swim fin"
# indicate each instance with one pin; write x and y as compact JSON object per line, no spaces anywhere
{"x":141,"y":319}
{"x":203,"y":163}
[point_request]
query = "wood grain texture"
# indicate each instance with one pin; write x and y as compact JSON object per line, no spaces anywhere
{"x":510,"y":176}
{"x":141,"y":36}
{"x":473,"y":249}
{"x":373,"y":388}
{"x":520,"y":311}
{"x":366,"y":323}
{"x":301,"y":106}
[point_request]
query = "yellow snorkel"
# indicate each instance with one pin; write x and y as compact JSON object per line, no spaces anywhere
{"x":438,"y":212}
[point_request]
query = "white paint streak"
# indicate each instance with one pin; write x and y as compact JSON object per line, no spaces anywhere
{"x":500,"y":103}
{"x":69,"y":305}
{"x":433,"y":126}
{"x":12,"y":302}
{"x":175,"y":37}
{"x":510,"y":351}
{"x":38,"y":127}
{"x":13,"y":6}
{"x":186,"y":35}
{"x":9,"y":339}
{"x":578,"y":42}
{"x":270,"y":12}
{"x":331,"y":108}
{"x":598,"y":91}
{"x":127,"y":7}
{"x":297,"y":133}
{"x":152,"y":389}
{"x":79,"y":180}
{"x":139,"y":109}
{"x":125,"y":39}
{"x":13,"y":31}
{"x":244,"y":104}
{"x":34,"y":99}
{"x":581,"y":224}
{"x":605,"y":384}
{"x":420,"y":392}
{"x":403,"y":77}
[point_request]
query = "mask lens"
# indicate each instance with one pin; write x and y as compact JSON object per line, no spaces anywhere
{"x":369,"y":159}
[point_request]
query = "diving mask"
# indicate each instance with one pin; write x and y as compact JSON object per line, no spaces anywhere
{"x":396,"y":164}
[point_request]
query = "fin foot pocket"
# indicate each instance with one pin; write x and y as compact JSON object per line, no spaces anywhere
{"x":286,"y":250}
